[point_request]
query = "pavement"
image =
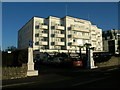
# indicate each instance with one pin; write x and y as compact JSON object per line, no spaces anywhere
{"x":51,"y":77}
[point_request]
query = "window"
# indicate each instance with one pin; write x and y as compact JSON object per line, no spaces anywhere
{"x":74,"y":40}
{"x":42,"y":47}
{"x":62,"y":32}
{"x":45,"y":23}
{"x":37,"y":27}
{"x":36,"y":35}
{"x":52,"y":43}
{"x":46,"y":47}
{"x":52,"y":27}
{"x":69,"y":36}
{"x":62,"y":47}
{"x":69,"y":28}
{"x":62,"y":39}
{"x":36,"y":43}
{"x":52,"y":35}
{"x":69,"y":44}
{"x":75,"y":32}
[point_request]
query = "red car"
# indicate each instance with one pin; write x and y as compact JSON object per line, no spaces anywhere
{"x":77,"y":62}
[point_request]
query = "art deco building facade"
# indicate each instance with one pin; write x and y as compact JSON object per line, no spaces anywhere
{"x":61,"y":34}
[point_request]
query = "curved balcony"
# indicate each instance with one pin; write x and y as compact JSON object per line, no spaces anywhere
{"x":59,"y":35}
{"x":59,"y":43}
{"x":43,"y":26}
{"x":43,"y":35}
{"x":43,"y":43}
{"x":79,"y":29}
{"x":59,"y":27}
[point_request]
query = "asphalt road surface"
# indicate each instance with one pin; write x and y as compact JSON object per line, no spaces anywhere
{"x":53,"y":77}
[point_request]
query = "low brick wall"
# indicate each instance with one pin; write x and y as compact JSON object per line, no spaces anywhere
{"x":114,"y":61}
{"x":14,"y":72}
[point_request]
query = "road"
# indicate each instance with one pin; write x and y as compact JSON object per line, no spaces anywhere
{"x":53,"y":77}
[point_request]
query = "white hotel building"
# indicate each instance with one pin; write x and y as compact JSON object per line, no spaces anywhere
{"x":59,"y":34}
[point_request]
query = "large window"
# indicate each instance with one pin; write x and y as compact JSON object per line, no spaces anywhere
{"x":36,"y":43}
{"x":62,"y":39}
{"x":37,"y":27}
{"x":36,"y":35}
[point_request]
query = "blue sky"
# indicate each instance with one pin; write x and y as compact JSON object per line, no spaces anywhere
{"x":16,"y":14}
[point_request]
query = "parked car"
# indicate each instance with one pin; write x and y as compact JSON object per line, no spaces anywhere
{"x":77,"y":62}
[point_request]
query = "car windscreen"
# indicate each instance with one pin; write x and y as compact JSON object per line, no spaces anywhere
{"x":75,"y":59}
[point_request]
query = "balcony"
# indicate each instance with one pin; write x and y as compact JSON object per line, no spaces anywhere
{"x":59,"y":43}
{"x":59,"y":27}
{"x":75,"y":44}
{"x":59,"y":35}
{"x":74,"y":28}
{"x":43,"y":26}
{"x":93,"y":33}
{"x":93,"y":39}
{"x":43,"y":35}
{"x":99,"y":35}
{"x":43,"y":43}
{"x":98,"y":40}
{"x":84,"y":30}
{"x":86,"y":37}
{"x":79,"y":29}
{"x":81,"y":37}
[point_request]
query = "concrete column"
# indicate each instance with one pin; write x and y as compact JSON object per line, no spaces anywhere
{"x":90,"y":61}
{"x":31,"y":71}
{"x":92,"y":65}
{"x":88,"y":57}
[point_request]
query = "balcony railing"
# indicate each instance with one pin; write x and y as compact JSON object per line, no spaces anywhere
{"x":43,"y":35}
{"x":43,"y":43}
{"x":59,"y":27}
{"x":75,"y":44}
{"x":79,"y":29}
{"x":81,"y":37}
{"x":59,"y":35}
{"x":59,"y":43}
{"x":43,"y":26}
{"x":93,"y":33}
{"x":93,"y":39}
